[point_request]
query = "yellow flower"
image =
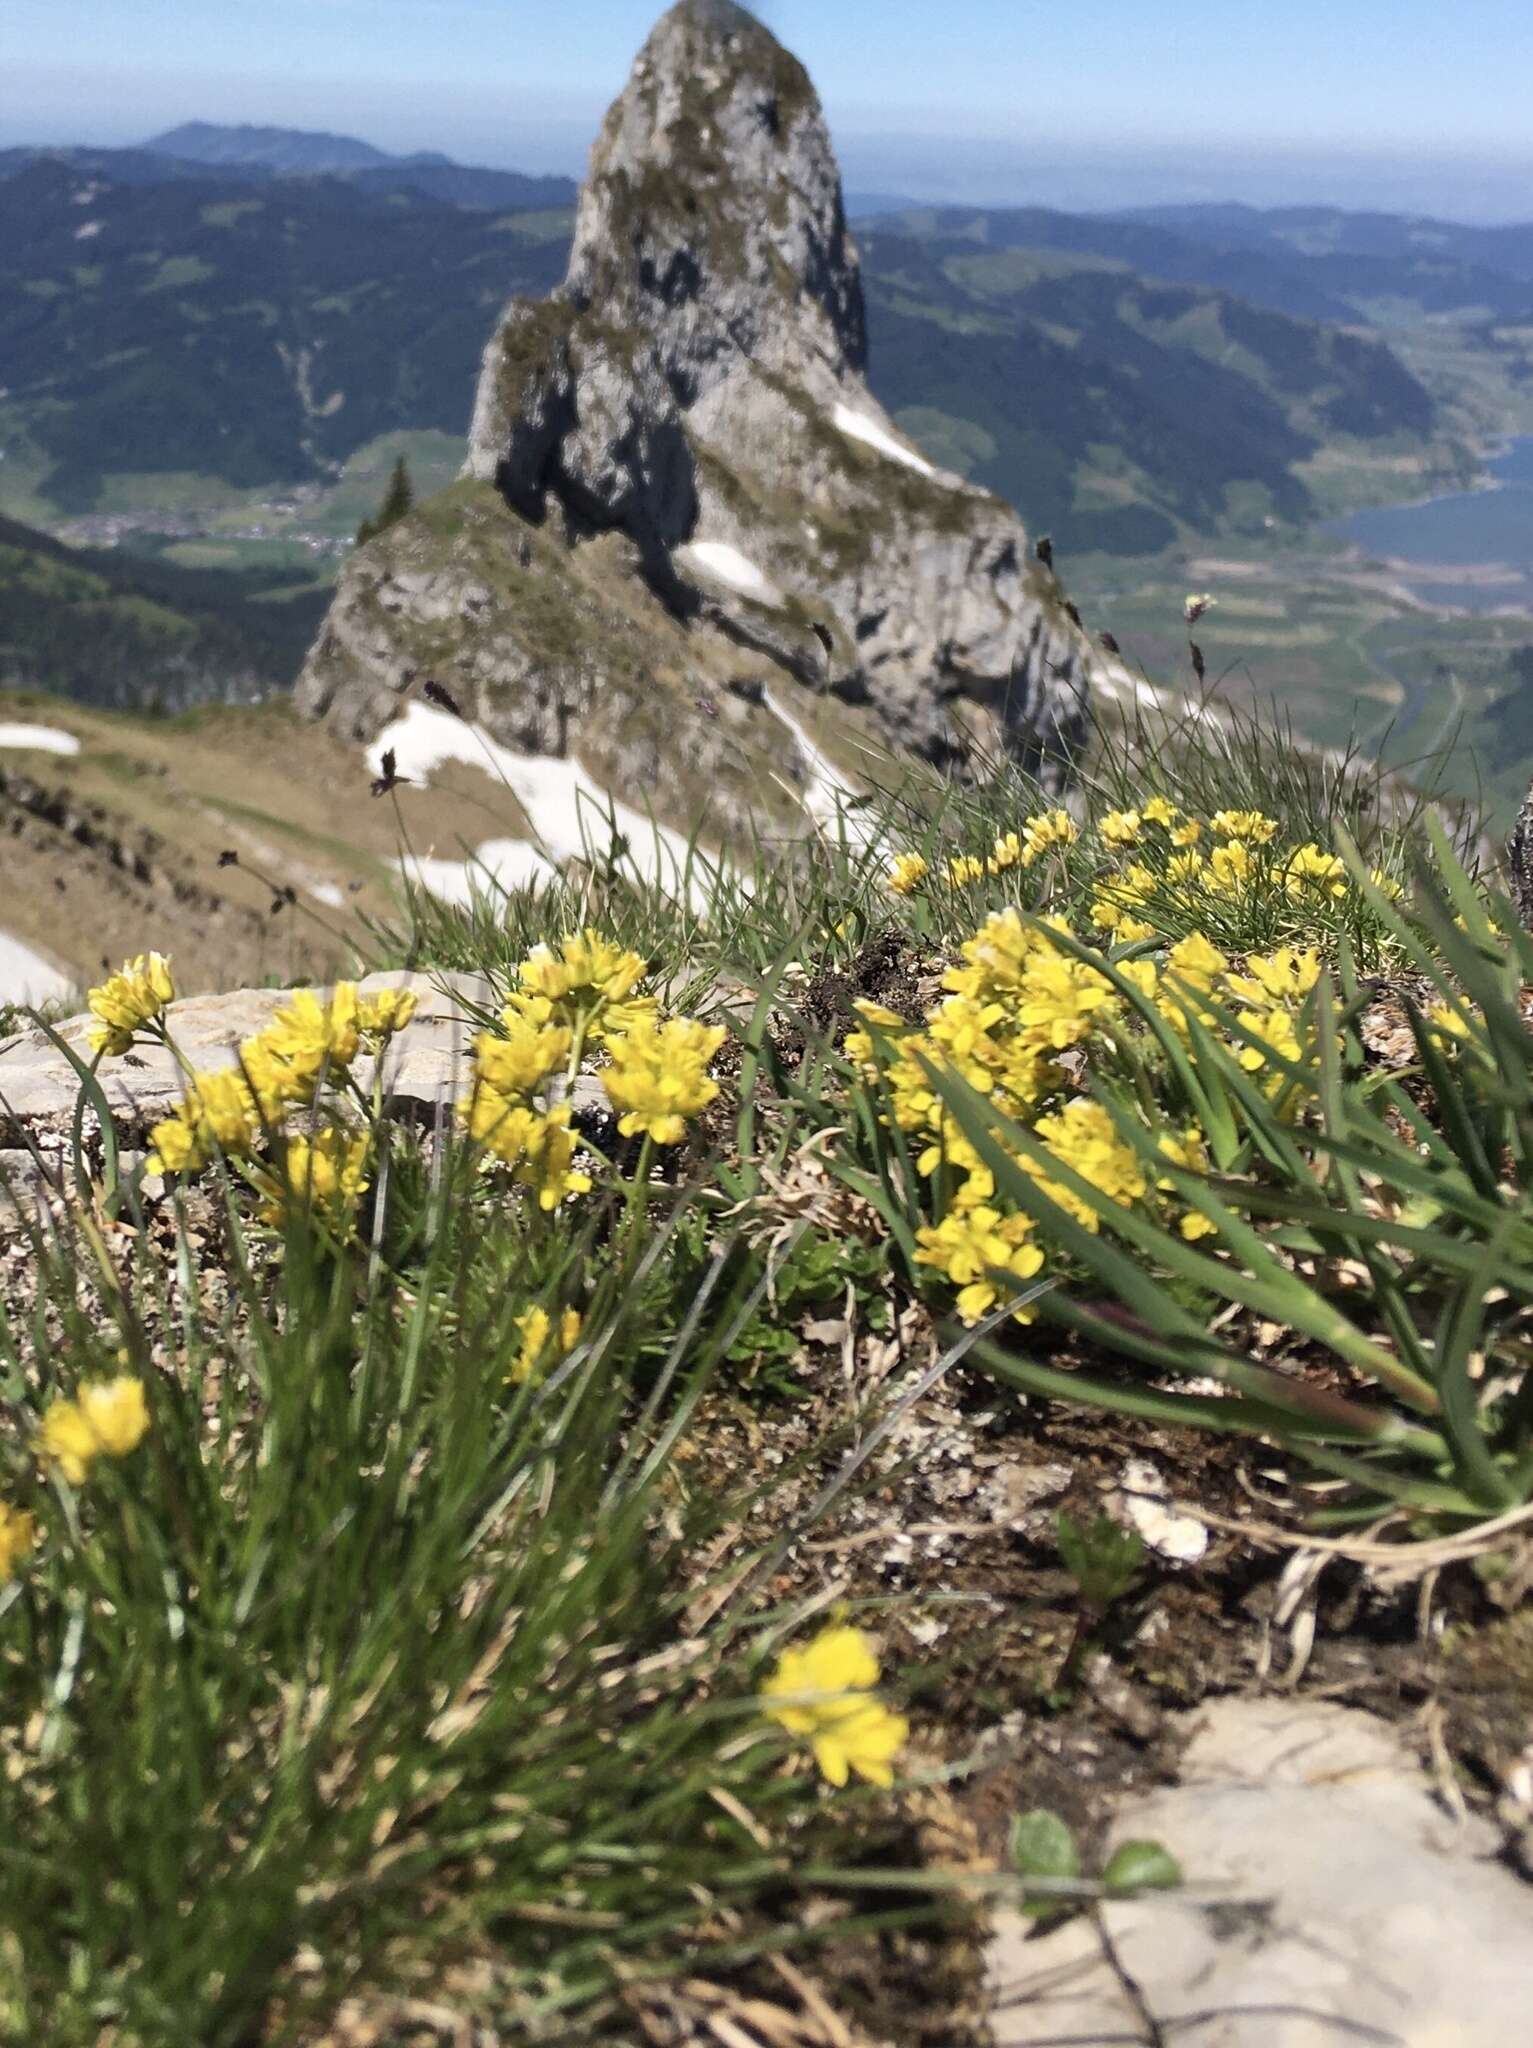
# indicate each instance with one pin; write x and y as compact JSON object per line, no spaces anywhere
{"x":1049,"y":828}
{"x":216,"y":1118}
{"x":307,"y":1041}
{"x":906,"y":875}
{"x":324,"y":1177}
{"x":963,"y":869}
{"x":1085,"y":1137}
{"x":1281,"y":977}
{"x":544,"y":1343}
{"x":126,"y":1002}
{"x":1121,"y":828}
{"x":1449,"y":1027}
{"x":514,"y":1065}
{"x":1387,"y":885}
{"x":658,"y":1077}
{"x":863,"y":1046}
{"x":1188,"y":833}
{"x":1273,"y":1032}
{"x":970,"y":1246}
{"x":995,"y":958}
{"x":537,"y":1145}
{"x":1191,"y":1154}
{"x":1059,"y":999}
{"x":1161,"y":811}
{"x":1184,"y":867}
{"x":18,"y":1539}
{"x":391,"y":1009}
{"x":1006,"y":853}
{"x":1254,"y":826}
{"x":824,"y":1691}
{"x":574,"y":983}
{"x":107,"y":1418}
{"x":1230,"y":866}
{"x":1308,"y":868}
{"x":1195,"y":962}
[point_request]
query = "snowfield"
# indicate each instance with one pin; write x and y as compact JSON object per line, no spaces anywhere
{"x":26,"y":977}
{"x":861,"y":428}
{"x":572,"y":817}
{"x":828,"y":796}
{"x":726,"y":565}
{"x":42,"y":739}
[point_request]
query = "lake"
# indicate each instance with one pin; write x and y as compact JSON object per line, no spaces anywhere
{"x":1465,"y":530}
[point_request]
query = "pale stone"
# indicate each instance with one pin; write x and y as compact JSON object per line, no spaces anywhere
{"x":424,"y":1069}
{"x":1329,"y":1898}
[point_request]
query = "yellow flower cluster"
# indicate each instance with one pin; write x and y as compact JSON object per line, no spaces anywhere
{"x":381,"y":1015}
{"x":126,"y":1002}
{"x":657,"y":1076}
{"x":584,"y":991}
{"x":107,"y":1418}
{"x":229,"y":1110}
{"x":906,"y":875}
{"x":545,"y":1343}
{"x":1011,"y":850}
{"x":18,"y":1539}
{"x":585,"y":984}
{"x":323,"y":1177}
{"x":1175,"y":866}
{"x":1025,"y":1008}
{"x":825,"y":1693}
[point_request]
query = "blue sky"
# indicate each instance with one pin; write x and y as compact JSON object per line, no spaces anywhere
{"x":1385,"y":92}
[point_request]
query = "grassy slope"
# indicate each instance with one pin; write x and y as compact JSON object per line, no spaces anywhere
{"x":116,"y":849}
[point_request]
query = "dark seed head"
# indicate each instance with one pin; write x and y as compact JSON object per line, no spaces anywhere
{"x":438,"y":693}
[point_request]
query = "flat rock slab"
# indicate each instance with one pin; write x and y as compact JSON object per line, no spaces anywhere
{"x":424,"y":1069}
{"x":1330,"y":1900}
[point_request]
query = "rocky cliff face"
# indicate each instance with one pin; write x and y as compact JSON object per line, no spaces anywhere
{"x":682,"y":506}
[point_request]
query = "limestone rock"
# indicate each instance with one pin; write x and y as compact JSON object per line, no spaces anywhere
{"x":424,"y":1068}
{"x":696,"y":390}
{"x":1329,"y":1898}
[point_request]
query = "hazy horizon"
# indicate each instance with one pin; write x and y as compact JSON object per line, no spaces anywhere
{"x":1092,"y":107}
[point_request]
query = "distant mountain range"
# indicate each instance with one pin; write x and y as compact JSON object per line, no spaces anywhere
{"x":255,"y":304}
{"x":291,"y":152}
{"x":249,"y":155}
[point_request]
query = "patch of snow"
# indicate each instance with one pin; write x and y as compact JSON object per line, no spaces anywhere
{"x":26,"y":977}
{"x":827,"y":796}
{"x":572,"y":817}
{"x":861,"y":428}
{"x":42,"y":739}
{"x":1182,"y":1538}
{"x":329,"y":894}
{"x":496,"y":867}
{"x":726,"y":564}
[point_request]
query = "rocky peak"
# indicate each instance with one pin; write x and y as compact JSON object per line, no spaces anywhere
{"x":712,"y":214}
{"x":683,"y":510}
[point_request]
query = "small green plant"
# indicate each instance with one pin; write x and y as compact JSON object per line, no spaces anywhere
{"x":1043,"y":1852}
{"x":1104,"y":1559}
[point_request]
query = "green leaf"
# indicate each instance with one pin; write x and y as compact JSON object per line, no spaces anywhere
{"x":1102,"y":1558}
{"x":1141,"y":1867}
{"x":1043,"y":1849}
